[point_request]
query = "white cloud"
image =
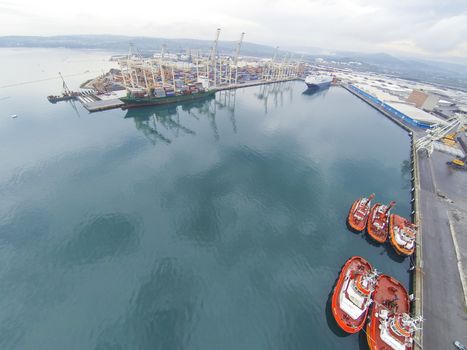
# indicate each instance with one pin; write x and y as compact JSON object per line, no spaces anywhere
{"x":425,"y":27}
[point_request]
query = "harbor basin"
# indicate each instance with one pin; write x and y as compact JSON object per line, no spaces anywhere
{"x":215,"y":224}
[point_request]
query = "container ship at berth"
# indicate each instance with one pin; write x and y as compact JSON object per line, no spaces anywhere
{"x":159,"y":96}
{"x":318,"y":81}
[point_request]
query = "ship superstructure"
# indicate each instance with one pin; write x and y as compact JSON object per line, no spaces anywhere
{"x":318,"y":81}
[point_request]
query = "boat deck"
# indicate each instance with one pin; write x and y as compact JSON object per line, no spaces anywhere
{"x":360,"y":266}
{"x":392,"y":294}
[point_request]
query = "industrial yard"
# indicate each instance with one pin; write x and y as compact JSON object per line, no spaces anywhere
{"x":164,"y":74}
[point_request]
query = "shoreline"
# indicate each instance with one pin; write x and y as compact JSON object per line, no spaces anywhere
{"x":417,"y":280}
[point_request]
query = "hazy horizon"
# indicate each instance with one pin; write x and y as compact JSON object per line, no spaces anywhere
{"x":417,"y":28}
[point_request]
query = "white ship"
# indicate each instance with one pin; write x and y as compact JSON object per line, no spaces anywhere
{"x":318,"y":81}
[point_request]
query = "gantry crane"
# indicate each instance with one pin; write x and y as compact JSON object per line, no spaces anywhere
{"x":436,"y":133}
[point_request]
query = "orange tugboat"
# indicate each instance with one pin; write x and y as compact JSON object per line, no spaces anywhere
{"x":402,"y":234}
{"x":351,"y":297}
{"x":378,"y":221}
{"x":358,"y":214}
{"x":390,"y":326}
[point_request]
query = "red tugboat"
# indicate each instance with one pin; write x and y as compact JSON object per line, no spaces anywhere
{"x":358,"y":214}
{"x":351,"y":297}
{"x":378,"y":221}
{"x":402,"y":234}
{"x":390,"y":326}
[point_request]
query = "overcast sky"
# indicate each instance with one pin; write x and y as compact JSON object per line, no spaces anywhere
{"x":430,"y":28}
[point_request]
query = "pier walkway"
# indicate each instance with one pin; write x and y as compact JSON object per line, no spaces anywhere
{"x":443,"y":212}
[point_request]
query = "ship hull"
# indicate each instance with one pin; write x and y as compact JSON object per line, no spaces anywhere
{"x":318,"y":86}
{"x":389,"y":294}
{"x":134,"y":102}
{"x":358,"y":225}
{"x":379,"y":235}
{"x":342,"y":319}
{"x":396,"y":220}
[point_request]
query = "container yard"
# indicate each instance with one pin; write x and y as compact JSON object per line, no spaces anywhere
{"x":167,"y":77}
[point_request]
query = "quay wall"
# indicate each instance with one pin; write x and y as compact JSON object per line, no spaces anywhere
{"x":253,"y":83}
{"x":401,"y":119}
{"x":394,"y":112}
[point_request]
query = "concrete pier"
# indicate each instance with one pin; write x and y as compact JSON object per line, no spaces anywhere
{"x":101,"y":105}
{"x":93,"y":104}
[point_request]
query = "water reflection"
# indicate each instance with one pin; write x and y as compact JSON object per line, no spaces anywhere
{"x":149,"y":120}
{"x":106,"y":236}
{"x":218,"y":208}
{"x":274,"y":94}
{"x":161,"y":124}
{"x":315,"y":92}
{"x":406,"y":171}
{"x":161,"y":314}
{"x":226,"y":100}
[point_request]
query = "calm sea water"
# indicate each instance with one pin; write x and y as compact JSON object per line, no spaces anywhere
{"x":213,"y":225}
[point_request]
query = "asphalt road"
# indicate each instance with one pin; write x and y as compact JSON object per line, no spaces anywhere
{"x":443,"y":300}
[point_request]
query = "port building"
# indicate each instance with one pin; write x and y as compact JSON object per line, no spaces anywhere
{"x":423,"y":100}
{"x":393,"y":96}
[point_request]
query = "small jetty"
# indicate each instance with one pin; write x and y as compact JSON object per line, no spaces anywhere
{"x":95,"y":103}
{"x":89,"y":99}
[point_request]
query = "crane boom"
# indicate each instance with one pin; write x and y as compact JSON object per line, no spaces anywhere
{"x":237,"y":53}
{"x":214,"y":54}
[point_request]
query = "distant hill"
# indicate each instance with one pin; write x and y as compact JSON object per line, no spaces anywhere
{"x":117,"y":43}
{"x":449,"y":74}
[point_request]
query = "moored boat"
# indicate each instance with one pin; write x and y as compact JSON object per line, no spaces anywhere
{"x":402,"y":234}
{"x":378,"y":219}
{"x":141,"y":98}
{"x":318,"y":81}
{"x":64,"y":97}
{"x":390,"y":325}
{"x":351,"y":297}
{"x":358,"y":214}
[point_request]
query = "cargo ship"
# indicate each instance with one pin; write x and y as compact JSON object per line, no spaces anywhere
{"x":402,"y":234}
{"x":358,"y":214}
{"x":318,"y":81}
{"x":159,"y":96}
{"x":390,"y":325}
{"x":377,"y":226}
{"x":351,"y":298}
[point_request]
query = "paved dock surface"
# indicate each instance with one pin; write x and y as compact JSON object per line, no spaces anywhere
{"x":442,"y":195}
{"x":101,"y":105}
